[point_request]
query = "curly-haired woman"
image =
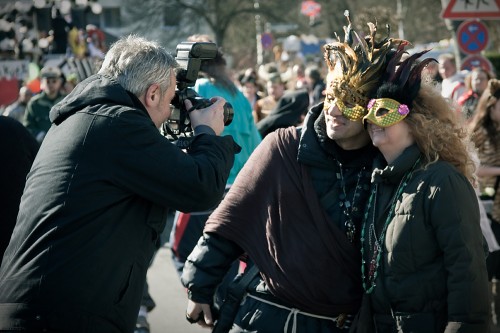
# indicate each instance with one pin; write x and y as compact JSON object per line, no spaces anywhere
{"x":423,"y":263}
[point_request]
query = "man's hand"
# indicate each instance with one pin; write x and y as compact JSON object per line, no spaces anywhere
{"x":212,"y":116}
{"x":199,"y":313}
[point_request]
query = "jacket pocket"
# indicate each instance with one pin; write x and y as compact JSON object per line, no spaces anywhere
{"x":125,"y":286}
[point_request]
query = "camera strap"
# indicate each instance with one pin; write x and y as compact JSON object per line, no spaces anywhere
{"x":238,"y":289}
{"x":232,"y":301}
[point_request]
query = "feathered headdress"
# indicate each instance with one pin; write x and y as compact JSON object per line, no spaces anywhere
{"x":400,"y":86}
{"x":403,"y":78}
{"x":358,"y":69}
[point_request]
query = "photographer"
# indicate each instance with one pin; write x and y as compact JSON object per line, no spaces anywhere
{"x":97,"y":195}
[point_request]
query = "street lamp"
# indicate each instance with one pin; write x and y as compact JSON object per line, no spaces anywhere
{"x":400,"y":17}
{"x":258,"y":34}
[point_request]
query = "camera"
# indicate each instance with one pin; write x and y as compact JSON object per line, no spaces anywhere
{"x":189,"y":56}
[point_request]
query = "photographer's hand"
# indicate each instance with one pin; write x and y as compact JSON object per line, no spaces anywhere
{"x":199,"y":313}
{"x":212,"y":116}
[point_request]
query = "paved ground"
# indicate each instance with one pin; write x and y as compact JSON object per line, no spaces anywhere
{"x":169,"y":295}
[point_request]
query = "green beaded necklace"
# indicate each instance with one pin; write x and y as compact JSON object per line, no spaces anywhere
{"x":377,"y":246}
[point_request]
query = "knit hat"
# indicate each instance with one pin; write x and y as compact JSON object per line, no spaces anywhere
{"x":50,"y":72}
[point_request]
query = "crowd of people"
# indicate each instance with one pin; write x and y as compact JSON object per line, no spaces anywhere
{"x":37,"y":36}
{"x":30,"y":33}
{"x":354,"y":195}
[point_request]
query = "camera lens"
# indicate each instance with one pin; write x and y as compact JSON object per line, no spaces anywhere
{"x":228,"y":113}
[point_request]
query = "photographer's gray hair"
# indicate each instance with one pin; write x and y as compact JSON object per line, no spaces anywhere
{"x":136,"y":63}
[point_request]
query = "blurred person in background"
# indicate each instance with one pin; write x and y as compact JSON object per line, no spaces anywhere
{"x":215,"y":80}
{"x":18,"y":149}
{"x":250,"y":89}
{"x":70,"y":83}
{"x":475,"y":82}
{"x":36,"y":118}
{"x":485,"y":133}
{"x":77,"y":42}
{"x":188,"y":227}
{"x":290,"y":110}
{"x":315,"y":85}
{"x":17,"y":109}
{"x":60,"y":28}
{"x":452,"y":85}
{"x":275,"y":89}
{"x":298,"y":77}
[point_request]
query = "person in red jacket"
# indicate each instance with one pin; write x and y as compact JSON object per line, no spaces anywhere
{"x":476,"y":83}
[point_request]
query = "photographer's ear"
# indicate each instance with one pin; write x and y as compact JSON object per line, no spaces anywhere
{"x":152,"y":96}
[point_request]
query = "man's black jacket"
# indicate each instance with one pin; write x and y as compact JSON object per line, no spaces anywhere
{"x":94,"y":204}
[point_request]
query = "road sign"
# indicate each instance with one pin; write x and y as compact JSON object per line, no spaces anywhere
{"x":472,"y":37}
{"x":310,"y":8}
{"x":267,"y":40}
{"x":466,"y":9}
{"x":476,"y":60}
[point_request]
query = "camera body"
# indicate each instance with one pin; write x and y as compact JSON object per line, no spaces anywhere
{"x":189,"y":56}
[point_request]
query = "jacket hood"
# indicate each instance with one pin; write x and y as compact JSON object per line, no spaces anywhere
{"x":95,"y":90}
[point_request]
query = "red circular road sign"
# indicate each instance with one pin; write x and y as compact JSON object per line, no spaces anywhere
{"x":310,"y":8}
{"x":472,"y":37}
{"x":476,"y":60}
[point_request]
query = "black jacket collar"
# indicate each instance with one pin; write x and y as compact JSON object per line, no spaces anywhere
{"x":317,"y":149}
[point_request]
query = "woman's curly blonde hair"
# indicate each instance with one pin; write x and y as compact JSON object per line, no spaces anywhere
{"x":439,"y":133}
{"x":433,"y":122}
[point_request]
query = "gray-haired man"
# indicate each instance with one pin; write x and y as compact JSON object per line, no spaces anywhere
{"x":97,"y":196}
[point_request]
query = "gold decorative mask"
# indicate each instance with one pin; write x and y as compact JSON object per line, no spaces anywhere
{"x":354,"y":113}
{"x":385,"y":112}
